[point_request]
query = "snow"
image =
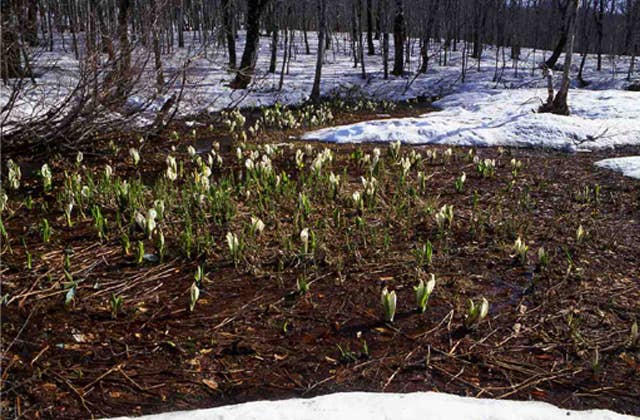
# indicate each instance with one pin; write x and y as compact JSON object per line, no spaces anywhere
{"x":629,"y":166}
{"x":207,"y":78}
{"x":387,"y":406}
{"x":476,"y":116}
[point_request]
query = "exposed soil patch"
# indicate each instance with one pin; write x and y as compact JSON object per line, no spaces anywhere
{"x":559,"y":333}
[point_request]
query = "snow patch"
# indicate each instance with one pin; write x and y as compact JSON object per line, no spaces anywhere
{"x":378,"y":406}
{"x":629,"y":166}
{"x":205,"y":86}
{"x":498,"y":117}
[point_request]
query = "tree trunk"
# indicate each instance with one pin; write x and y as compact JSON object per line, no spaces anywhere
{"x":354,"y":34}
{"x":229,"y":33}
{"x":562,"y":41}
{"x":106,"y":44}
{"x":322,"y":19}
{"x":305,"y":28}
{"x":31,"y":24}
{"x":559,"y":105}
{"x":424,"y":53}
{"x":275,"y":32}
{"x":399,"y":31}
{"x":156,"y":45}
{"x":585,"y":44}
{"x":385,"y":54}
{"x":11,"y":66}
{"x":630,"y":28}
{"x":180,"y":18}
{"x":123,"y":32}
{"x":360,"y":43}
{"x":285,"y":57}
{"x":250,"y":53}
{"x":370,"y":48}
{"x":378,"y":21}
{"x":599,"y":18}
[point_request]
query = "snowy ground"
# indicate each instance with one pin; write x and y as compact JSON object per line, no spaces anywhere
{"x":207,"y":77}
{"x":497,"y":117}
{"x":372,"y":406}
{"x":629,"y":166}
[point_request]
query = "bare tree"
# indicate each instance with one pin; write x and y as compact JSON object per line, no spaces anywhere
{"x":370,"y":48}
{"x":255,"y":9}
{"x":563,"y":6}
{"x":399,"y":33}
{"x":229,"y":31}
{"x":11,"y":66}
{"x":322,"y":29}
{"x":559,"y":104}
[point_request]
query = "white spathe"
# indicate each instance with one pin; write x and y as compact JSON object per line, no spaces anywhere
{"x":498,"y":117}
{"x":387,"y":406}
{"x":629,"y":166}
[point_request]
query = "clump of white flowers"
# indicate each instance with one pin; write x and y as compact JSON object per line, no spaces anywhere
{"x":389,"y":301}
{"x":447,"y":154}
{"x":172,"y":168}
{"x":485,"y":167}
{"x":405,"y":164}
{"x":422,"y":181}
{"x":135,"y":156}
{"x":476,"y":312}
{"x":580,"y":235}
{"x":520,"y":249}
{"x":375,"y":160}
{"x":444,"y":217}
{"x":322,"y":158}
{"x":147,"y":221}
{"x":3,"y":200}
{"x":68,"y":208}
{"x":108,"y":171}
{"x":414,"y":157}
{"x":234,"y":120}
{"x":194,"y":295}
{"x":235,"y":248}
{"x":516,"y":165}
{"x":264,"y":166}
{"x":334,"y":180}
{"x":249,"y":164}
{"x":394,"y":149}
{"x":299,"y":159}
{"x":423,"y":292}
{"x":304,"y":238}
{"x":85,"y":191}
{"x":257,"y":225}
{"x":45,"y":173}
{"x":370,"y":186}
{"x":356,"y":197}
{"x":14,"y":174}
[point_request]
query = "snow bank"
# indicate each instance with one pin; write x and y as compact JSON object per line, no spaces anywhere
{"x":629,"y":166}
{"x":373,"y":406}
{"x":497,"y":117}
{"x":207,"y":76}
